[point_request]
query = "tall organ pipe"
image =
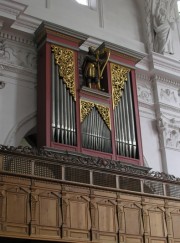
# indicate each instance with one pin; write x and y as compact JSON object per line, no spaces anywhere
{"x":132,"y":117}
{"x":63,"y":110}
{"x":125,"y":123}
{"x":53,"y":99}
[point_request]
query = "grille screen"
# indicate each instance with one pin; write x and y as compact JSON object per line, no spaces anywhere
{"x":153,"y":187}
{"x":77,"y":175}
{"x":103,"y":179}
{"x":129,"y":184}
{"x":17,"y":164}
{"x":47,"y":170}
{"x":173,"y":190}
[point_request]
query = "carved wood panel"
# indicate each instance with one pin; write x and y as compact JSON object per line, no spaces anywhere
{"x":46,"y":216}
{"x":130,"y":218}
{"x":104,"y":216}
{"x":17,"y":210}
{"x":155,"y":228}
{"x":76,"y":213}
{"x":46,"y":210}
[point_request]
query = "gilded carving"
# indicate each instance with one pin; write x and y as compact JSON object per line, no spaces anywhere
{"x":119,"y":75}
{"x":87,"y":106}
{"x":64,"y":58}
{"x":105,"y":113}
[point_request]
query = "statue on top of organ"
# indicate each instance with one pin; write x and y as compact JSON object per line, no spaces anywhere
{"x":94,"y":65}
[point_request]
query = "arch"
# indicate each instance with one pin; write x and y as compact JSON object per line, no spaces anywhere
{"x":17,"y":132}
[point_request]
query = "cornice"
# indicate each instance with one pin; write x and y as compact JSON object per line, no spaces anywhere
{"x":163,"y":78}
{"x":18,"y":75}
{"x":11,"y":9}
{"x":143,"y":65}
{"x":20,"y":21}
{"x":26,"y":23}
{"x":173,"y":110}
{"x":47,"y":27}
{"x":17,"y":38}
{"x":165,"y":65}
{"x":142,"y":77}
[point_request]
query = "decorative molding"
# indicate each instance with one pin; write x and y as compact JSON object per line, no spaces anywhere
{"x":165,"y":80}
{"x":72,"y":159}
{"x":26,"y":23}
{"x":165,"y":66}
{"x":11,"y":9}
{"x":20,"y":21}
{"x":17,"y":62}
{"x":168,"y":96}
{"x":169,"y":131}
{"x":22,"y":39}
{"x":67,"y":158}
{"x":145,"y":93}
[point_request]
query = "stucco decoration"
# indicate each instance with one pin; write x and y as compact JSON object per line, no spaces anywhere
{"x":161,"y":22}
{"x":168,"y":96}
{"x":144,"y":93}
{"x":20,"y":56}
{"x":169,"y":132}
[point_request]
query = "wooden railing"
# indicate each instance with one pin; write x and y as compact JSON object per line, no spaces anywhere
{"x":58,"y":196}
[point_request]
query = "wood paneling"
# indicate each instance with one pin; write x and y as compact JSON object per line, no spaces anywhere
{"x":48,"y":210}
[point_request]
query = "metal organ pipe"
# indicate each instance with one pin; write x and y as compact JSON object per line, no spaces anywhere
{"x":63,"y":110}
{"x":126,"y":144}
{"x":53,"y":99}
{"x":95,"y":133}
{"x":132,"y":118}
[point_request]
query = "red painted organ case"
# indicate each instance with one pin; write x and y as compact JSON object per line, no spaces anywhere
{"x":75,"y":117}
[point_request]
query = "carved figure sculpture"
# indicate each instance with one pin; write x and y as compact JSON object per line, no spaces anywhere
{"x":163,"y":25}
{"x":94,"y":65}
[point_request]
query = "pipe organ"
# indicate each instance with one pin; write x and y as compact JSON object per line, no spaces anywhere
{"x":90,"y":111}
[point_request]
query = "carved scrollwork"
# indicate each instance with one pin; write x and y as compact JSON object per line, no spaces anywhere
{"x":64,"y":58}
{"x":105,"y":113}
{"x":119,"y":75}
{"x":87,"y":106}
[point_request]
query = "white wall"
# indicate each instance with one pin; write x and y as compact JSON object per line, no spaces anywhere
{"x":116,"y":28}
{"x":18,"y":96}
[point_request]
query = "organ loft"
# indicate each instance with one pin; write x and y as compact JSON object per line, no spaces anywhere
{"x":86,"y":181}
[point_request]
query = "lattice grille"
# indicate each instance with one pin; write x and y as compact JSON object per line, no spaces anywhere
{"x":17,"y":164}
{"x":47,"y":170}
{"x":153,"y":187}
{"x":131,"y":184}
{"x":77,"y":175}
{"x":104,"y":179}
{"x":173,"y":190}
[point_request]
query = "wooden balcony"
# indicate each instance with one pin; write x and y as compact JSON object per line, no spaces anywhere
{"x":58,"y":196}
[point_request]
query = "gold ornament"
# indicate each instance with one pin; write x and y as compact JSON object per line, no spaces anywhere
{"x":64,"y":58}
{"x":119,"y":75}
{"x":87,"y":106}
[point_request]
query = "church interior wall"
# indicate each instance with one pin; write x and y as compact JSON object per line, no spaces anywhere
{"x":107,"y":22}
